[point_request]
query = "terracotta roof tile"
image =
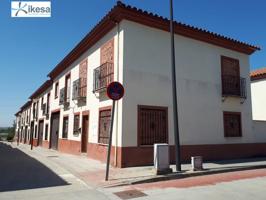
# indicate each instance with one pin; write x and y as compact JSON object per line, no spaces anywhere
{"x":258,"y":74}
{"x":121,"y":11}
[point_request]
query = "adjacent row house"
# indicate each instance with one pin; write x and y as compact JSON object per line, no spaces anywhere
{"x":71,"y":112}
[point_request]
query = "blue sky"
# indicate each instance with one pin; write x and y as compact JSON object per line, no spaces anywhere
{"x":31,"y":47}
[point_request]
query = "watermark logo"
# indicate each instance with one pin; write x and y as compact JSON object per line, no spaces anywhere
{"x":30,"y":9}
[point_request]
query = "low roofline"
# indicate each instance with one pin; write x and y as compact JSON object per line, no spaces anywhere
{"x":41,"y":89}
{"x":17,"y":113}
{"x":124,"y":12}
{"x":26,"y":105}
{"x":258,"y":74}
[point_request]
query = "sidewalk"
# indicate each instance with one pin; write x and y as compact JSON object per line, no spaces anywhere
{"x":92,"y":172}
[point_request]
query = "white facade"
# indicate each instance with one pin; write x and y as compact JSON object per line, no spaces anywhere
{"x":198,"y":70}
{"x":258,"y":99}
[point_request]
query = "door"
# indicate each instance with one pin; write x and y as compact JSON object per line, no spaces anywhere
{"x":40,"y":133}
{"x":54,"y":131}
{"x":84,"y":137}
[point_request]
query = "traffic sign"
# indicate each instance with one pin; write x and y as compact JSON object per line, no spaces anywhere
{"x":115,"y":91}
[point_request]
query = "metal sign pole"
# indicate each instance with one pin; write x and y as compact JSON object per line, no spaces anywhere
{"x":110,"y":142}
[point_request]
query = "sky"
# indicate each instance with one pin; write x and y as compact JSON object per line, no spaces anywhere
{"x":31,"y":47}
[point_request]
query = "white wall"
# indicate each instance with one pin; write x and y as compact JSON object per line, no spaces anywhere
{"x":147,"y":81}
{"x":259,"y":130}
{"x":258,"y":94}
{"x":93,"y":103}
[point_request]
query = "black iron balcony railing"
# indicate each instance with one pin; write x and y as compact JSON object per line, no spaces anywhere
{"x":103,"y":76}
{"x":234,"y":86}
{"x":79,"y":89}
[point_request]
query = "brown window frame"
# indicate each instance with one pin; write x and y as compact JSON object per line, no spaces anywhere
{"x":240,"y":124}
{"x":76,"y":125}
{"x":56,"y":90}
{"x":65,"y":135}
{"x":46,"y":132}
{"x":107,"y":108}
{"x":228,"y":77}
{"x":139,"y":123}
{"x":68,"y":76}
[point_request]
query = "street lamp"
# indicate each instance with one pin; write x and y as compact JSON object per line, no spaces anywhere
{"x":175,"y":111}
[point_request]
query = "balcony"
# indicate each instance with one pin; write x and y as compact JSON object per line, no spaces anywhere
{"x":79,"y":91}
{"x":234,"y":86}
{"x":103,"y":76}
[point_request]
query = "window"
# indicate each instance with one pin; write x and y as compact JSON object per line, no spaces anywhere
{"x":48,"y":104}
{"x":76,"y":124}
{"x":152,"y":125}
{"x":67,"y":88}
{"x":232,"y":124}
{"x":104,"y":125}
{"x":46,"y":132}
{"x":56,"y":90}
{"x":65,"y":127}
{"x":35,"y":132}
{"x":232,"y":83}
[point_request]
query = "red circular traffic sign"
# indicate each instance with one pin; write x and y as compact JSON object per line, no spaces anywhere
{"x":115,"y":91}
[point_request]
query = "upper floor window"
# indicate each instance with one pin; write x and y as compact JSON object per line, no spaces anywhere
{"x":104,"y":74}
{"x":56,"y":90}
{"x":232,"y":83}
{"x":67,"y":88}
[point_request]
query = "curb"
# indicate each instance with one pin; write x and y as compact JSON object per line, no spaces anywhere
{"x":188,"y":174}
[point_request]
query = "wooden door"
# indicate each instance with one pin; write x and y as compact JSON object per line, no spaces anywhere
{"x":40,"y":133}
{"x":54,"y":131}
{"x":84,"y":137}
{"x":152,"y":125}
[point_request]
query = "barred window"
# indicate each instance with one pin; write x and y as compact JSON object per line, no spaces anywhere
{"x":232,"y":124}
{"x":65,"y":127}
{"x":152,"y":125}
{"x":76,"y":124}
{"x":104,"y":126}
{"x":46,"y":132}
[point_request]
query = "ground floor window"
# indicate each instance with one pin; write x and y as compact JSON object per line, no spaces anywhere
{"x":152,"y":125}
{"x":76,"y":124}
{"x":232,"y":124}
{"x":104,"y":126}
{"x":65,"y":127}
{"x":46,"y":132}
{"x":35,"y":132}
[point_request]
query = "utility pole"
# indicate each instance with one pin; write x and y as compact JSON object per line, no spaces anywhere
{"x":175,"y":111}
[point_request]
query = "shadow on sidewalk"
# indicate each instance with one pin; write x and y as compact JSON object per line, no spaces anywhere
{"x":18,"y":171}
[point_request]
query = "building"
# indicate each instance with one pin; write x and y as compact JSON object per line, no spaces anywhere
{"x":133,"y":47}
{"x":258,"y":86}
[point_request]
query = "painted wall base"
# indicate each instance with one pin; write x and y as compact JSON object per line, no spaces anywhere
{"x":69,"y":146}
